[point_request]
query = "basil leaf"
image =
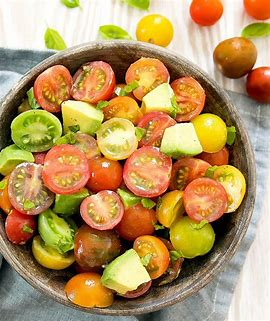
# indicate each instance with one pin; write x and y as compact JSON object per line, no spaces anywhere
{"x":27,"y":229}
{"x":31,"y":99}
{"x":69,"y":138}
{"x":71,"y":3}
{"x":140,"y":4}
{"x":53,"y":40}
{"x":113,"y":32}
{"x":28,"y":205}
{"x":256,"y":30}
{"x":146,"y":259}
{"x":102,"y":104}
{"x":175,"y":108}
{"x":158,"y":226}
{"x":74,"y":128}
{"x":147,"y":203}
{"x":140,"y":133}
{"x":129,"y":88}
{"x":128,"y":198}
{"x":174,"y":256}
{"x":3,"y":184}
{"x":210,"y":171}
{"x":231,"y":134}
{"x":198,"y":226}
{"x":24,"y":106}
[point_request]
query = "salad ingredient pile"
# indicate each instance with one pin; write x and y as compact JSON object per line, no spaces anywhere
{"x":120,"y":182}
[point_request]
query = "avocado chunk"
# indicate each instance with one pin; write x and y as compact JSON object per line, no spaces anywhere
{"x":83,"y":114}
{"x":69,"y":204}
{"x":125,"y":273}
{"x":12,"y":156}
{"x":180,"y":140}
{"x":159,"y":99}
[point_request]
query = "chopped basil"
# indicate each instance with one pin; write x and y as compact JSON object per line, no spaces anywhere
{"x":102,"y":104}
{"x":3,"y":184}
{"x":198,"y":226}
{"x":231,"y":134}
{"x":28,"y":205}
{"x":175,"y":108}
{"x":210,"y":171}
{"x":69,"y":138}
{"x":140,"y":4}
{"x":129,"y":88}
{"x":174,"y":256}
{"x":71,"y":3}
{"x":31,"y":99}
{"x":128,"y":198}
{"x":27,"y":229}
{"x":148,"y":203}
{"x":113,"y":32}
{"x":53,"y":40}
{"x":158,"y":226}
{"x":256,"y":30}
{"x":74,"y":128}
{"x":146,"y":259}
{"x":140,"y":133}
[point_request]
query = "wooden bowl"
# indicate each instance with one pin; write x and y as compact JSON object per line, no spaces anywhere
{"x":196,"y":273}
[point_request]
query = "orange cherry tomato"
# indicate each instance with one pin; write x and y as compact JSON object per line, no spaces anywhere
{"x":258,"y":9}
{"x":123,"y":107}
{"x":206,"y":12}
{"x":218,"y":158}
{"x":86,"y":290}
{"x":5,"y":204}
{"x":157,"y":253}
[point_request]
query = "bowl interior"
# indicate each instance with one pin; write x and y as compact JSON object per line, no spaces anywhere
{"x":195,"y":273}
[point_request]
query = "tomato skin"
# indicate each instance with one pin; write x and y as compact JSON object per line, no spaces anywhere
{"x":190,"y":97}
{"x":39,"y":158}
{"x":141,"y":290}
{"x":206,"y":12}
{"x":155,"y":29}
{"x":155,"y":124}
{"x":216,"y":159}
{"x":258,"y":84}
{"x":159,"y":262}
{"x":86,"y":290}
{"x":49,"y":90}
{"x":136,"y":221}
{"x":258,"y":9}
{"x":205,"y":199}
{"x":15,"y":224}
{"x":185,"y":170}
{"x":104,"y":174}
{"x":5,"y":204}
{"x":149,"y":73}
{"x":65,"y":170}
{"x":87,"y":80}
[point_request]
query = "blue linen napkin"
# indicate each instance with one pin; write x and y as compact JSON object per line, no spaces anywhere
{"x":20,"y":302}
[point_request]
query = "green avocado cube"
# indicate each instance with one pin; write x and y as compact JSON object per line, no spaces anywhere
{"x":12,"y":156}
{"x":125,"y":273}
{"x":69,"y":204}
{"x":180,"y":140}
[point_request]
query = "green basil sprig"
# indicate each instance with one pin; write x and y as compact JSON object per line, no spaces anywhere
{"x":53,"y":40}
{"x":231,"y":135}
{"x":31,"y":99}
{"x":71,"y":3}
{"x":140,"y":4}
{"x":113,"y":32}
{"x":256,"y":30}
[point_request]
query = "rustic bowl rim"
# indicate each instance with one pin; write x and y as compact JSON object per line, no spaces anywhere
{"x":218,"y":266}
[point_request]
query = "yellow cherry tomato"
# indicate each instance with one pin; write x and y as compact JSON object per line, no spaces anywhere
{"x":211,"y":131}
{"x":155,"y":29}
{"x":49,"y":257}
{"x":170,"y":207}
{"x":234,"y":183}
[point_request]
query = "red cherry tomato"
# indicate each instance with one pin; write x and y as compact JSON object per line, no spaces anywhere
{"x":93,"y":82}
{"x":258,"y":84}
{"x":39,"y":158}
{"x":137,"y":221}
{"x":147,"y":172}
{"x":52,"y":87}
{"x":205,"y":199}
{"x":149,"y":73}
{"x":104,"y":174}
{"x":20,"y":227}
{"x":102,"y":211}
{"x":186,"y":170}
{"x":155,"y":124}
{"x":65,"y":170}
{"x":141,"y":290}
{"x":190,"y":97}
{"x":258,"y":9}
{"x":218,"y":158}
{"x":206,"y":12}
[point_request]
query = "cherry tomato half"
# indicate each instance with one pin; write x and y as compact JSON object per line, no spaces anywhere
{"x":20,"y":227}
{"x":205,"y":199}
{"x":147,"y":172}
{"x":87,"y":144}
{"x":102,"y":211}
{"x":141,"y":290}
{"x":66,"y":169}
{"x":186,"y":170}
{"x":93,"y":82}
{"x":159,"y":257}
{"x":5,"y":204}
{"x":149,"y":73}
{"x":190,"y":97}
{"x":218,"y":158}
{"x":258,"y":9}
{"x":52,"y":87}
{"x":155,"y":124}
{"x":137,"y":221}
{"x":206,"y":12}
{"x":258,"y":84}
{"x":86,"y":290}
{"x":104,"y":174}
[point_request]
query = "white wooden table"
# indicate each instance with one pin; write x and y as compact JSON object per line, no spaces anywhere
{"x":23,"y":23}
